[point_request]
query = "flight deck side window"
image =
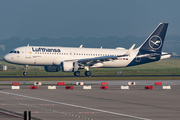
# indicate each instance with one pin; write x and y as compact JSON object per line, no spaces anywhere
{"x":17,"y":52}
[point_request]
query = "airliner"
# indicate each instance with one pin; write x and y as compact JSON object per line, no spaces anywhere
{"x":68,"y":59}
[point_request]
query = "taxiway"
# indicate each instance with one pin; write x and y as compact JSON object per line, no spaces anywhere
{"x":95,"y":104}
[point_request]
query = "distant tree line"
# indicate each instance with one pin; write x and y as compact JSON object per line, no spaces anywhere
{"x":171,"y":45}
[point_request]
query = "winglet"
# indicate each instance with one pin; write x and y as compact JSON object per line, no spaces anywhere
{"x":80,"y":46}
{"x":130,"y":49}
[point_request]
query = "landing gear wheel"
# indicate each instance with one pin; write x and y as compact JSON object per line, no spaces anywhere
{"x":87,"y":73}
{"x":77,"y":73}
{"x":24,"y":73}
{"x":25,"y":70}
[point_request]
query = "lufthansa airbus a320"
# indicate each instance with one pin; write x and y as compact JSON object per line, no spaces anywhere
{"x":69,"y":59}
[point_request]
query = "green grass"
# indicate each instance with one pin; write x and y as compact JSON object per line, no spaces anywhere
{"x":164,"y":67}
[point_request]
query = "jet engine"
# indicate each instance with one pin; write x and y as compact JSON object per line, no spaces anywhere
{"x":52,"y":68}
{"x":69,"y":66}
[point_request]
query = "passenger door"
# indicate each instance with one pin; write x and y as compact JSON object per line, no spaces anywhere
{"x":28,"y":52}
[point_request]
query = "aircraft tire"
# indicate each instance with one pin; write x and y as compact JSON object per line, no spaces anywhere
{"x":77,"y":73}
{"x":24,"y":73}
{"x":88,"y":73}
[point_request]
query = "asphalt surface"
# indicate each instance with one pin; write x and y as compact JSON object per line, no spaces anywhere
{"x":95,"y":104}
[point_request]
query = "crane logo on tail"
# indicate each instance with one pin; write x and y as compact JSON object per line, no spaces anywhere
{"x":155,"y":42}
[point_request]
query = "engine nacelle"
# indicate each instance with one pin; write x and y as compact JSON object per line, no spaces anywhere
{"x":69,"y":66}
{"x":52,"y":68}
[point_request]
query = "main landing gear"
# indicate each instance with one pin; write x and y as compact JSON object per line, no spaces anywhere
{"x":87,"y":73}
{"x":77,"y":73}
{"x":25,"y":70}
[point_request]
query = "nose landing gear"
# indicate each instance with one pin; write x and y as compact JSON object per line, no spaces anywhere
{"x":25,"y":70}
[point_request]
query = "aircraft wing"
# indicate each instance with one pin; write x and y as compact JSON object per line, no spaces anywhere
{"x":92,"y":61}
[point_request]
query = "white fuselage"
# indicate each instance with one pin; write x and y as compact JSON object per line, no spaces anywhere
{"x":40,"y":55}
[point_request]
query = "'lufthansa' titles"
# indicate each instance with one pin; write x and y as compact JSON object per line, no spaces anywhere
{"x":45,"y":50}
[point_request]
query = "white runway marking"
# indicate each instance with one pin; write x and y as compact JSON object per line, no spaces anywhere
{"x":77,"y":106}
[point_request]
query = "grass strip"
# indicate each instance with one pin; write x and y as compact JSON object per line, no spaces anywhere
{"x":90,"y":78}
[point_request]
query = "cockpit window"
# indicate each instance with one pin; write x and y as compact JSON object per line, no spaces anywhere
{"x":17,"y":52}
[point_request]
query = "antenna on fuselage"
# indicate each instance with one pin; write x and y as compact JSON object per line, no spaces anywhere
{"x":101,"y":47}
{"x":28,"y":45}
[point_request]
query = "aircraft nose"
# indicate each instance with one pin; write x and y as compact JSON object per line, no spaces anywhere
{"x":6,"y":58}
